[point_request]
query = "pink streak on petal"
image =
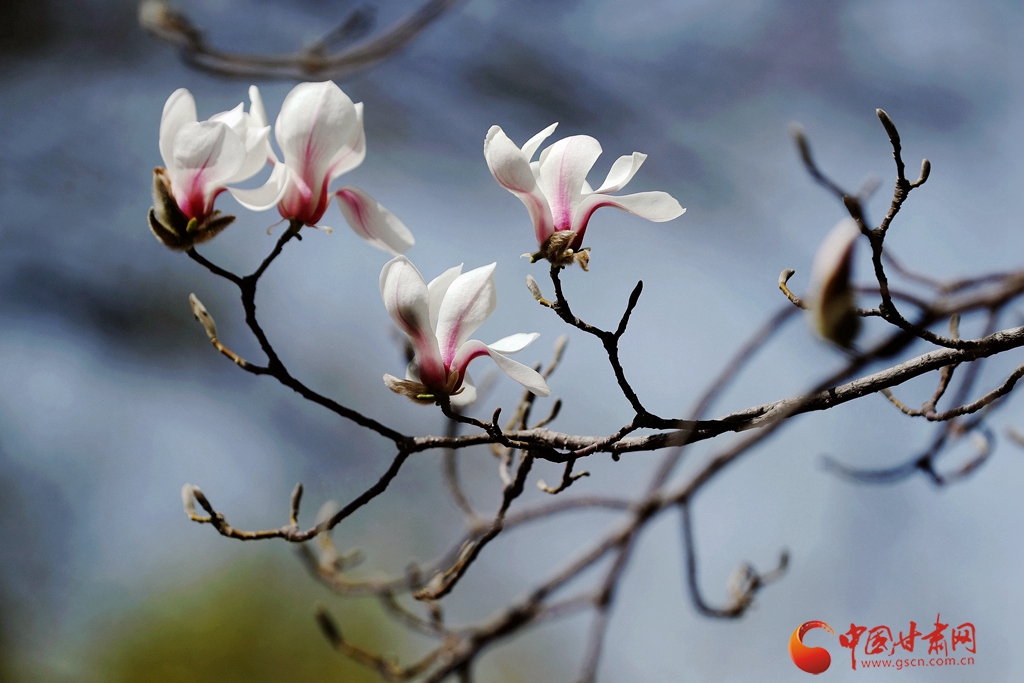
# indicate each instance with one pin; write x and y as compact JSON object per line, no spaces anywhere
{"x":461,"y":368}
{"x":578,"y":241}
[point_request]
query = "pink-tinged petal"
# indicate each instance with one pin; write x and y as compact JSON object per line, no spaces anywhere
{"x":406,"y":298}
{"x":437,"y":288}
{"x":469,"y":301}
{"x":511,"y":168}
{"x":373,"y":222}
{"x":266,"y":196}
{"x":468,"y":393}
{"x":531,"y":146}
{"x":317,"y":122}
{"x":352,"y":153}
{"x":204,"y":157}
{"x":514,"y":343}
{"x":297,"y":201}
{"x":526,"y":376}
{"x":622,"y":171}
{"x":179,"y":109}
{"x":654,"y":206}
{"x":563,"y":170}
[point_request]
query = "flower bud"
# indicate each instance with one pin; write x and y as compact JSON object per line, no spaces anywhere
{"x":189,"y":496}
{"x":831,"y":300}
{"x":199,"y":311}
{"x":534,"y":288}
{"x":171,"y":226}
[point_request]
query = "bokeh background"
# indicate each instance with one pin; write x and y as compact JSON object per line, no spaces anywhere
{"x":111,"y":397}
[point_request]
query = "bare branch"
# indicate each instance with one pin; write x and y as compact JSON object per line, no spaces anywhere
{"x":312,"y":63}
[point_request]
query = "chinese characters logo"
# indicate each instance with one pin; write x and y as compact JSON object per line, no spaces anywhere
{"x":942,"y":646}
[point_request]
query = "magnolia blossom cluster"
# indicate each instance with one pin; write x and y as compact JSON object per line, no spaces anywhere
{"x":319,"y":132}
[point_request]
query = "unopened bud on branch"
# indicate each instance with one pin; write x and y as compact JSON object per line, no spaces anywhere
{"x":831,"y":300}
{"x":534,"y":288}
{"x":890,"y":127}
{"x":189,"y":496}
{"x":199,"y":311}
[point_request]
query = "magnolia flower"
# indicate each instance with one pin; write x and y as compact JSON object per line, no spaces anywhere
{"x":438,"y":319}
{"x":830,"y":299}
{"x":557,"y":195}
{"x":320,"y":132}
{"x":200,"y":159}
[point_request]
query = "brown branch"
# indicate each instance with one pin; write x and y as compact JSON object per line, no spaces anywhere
{"x":312,"y":63}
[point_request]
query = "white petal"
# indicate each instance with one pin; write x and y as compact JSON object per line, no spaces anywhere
{"x":654,"y":206}
{"x":437,"y":288}
{"x":622,"y":171}
{"x":373,"y":222}
{"x":523,"y":374}
{"x":530,"y":148}
{"x":470,"y":299}
{"x":266,"y":196}
{"x":405,"y":296}
{"x":352,"y":153}
{"x":209,"y":148}
{"x":513,"y":343}
{"x":179,"y":109}
{"x":257,"y":151}
{"x":256,"y":110}
{"x":235,"y":118}
{"x":563,"y":170}
{"x":317,"y":123}
{"x":511,"y":168}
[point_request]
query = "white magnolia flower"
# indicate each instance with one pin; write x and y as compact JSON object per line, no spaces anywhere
{"x":200,"y":159}
{"x":438,"y":319}
{"x":320,"y":133}
{"x":831,"y":300}
{"x":555,"y":189}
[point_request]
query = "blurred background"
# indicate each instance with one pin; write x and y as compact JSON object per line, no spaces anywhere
{"x":111,"y":397}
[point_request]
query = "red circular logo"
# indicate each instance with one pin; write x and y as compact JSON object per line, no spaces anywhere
{"x":813,"y":660}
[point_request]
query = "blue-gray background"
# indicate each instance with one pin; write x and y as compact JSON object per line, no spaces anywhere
{"x":111,"y":398}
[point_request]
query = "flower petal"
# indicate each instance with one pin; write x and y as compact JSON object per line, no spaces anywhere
{"x":373,"y":222}
{"x":257,"y":151}
{"x":406,"y":298}
{"x":235,"y":118}
{"x":622,"y":171}
{"x":563,"y":170}
{"x":317,"y":123}
{"x":352,"y":153}
{"x":530,"y":148}
{"x":437,"y":288}
{"x":513,"y":343}
{"x":523,"y":374}
{"x":179,"y":109}
{"x":511,"y":168}
{"x":469,"y":301}
{"x":256,"y":110}
{"x":267,"y":195}
{"x":654,"y":206}
{"x":205,"y":156}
